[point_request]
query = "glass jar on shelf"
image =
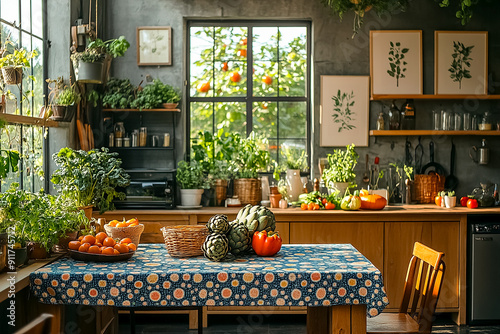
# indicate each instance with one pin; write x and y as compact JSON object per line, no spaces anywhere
{"x":394,"y":117}
{"x":380,"y":121}
{"x":485,"y":124}
{"x":143,"y":136}
{"x":119,"y":130}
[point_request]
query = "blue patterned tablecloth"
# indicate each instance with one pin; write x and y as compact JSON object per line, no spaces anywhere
{"x":299,"y":275}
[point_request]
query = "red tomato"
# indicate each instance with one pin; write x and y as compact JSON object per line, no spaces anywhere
{"x":330,"y":206}
{"x":303,"y":206}
{"x":267,"y":80}
{"x":224,"y":66}
{"x":241,"y":53}
{"x":316,"y":206}
{"x":202,"y":88}
{"x":235,"y":77}
{"x":324,"y":201}
{"x":463,"y":201}
{"x":310,"y":206}
{"x":472,"y":203}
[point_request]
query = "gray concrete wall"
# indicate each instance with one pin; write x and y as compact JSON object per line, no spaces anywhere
{"x":334,"y":52}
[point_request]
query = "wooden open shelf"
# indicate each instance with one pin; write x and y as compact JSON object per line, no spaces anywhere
{"x":143,"y":110}
{"x":432,"y":133}
{"x":377,"y":97}
{"x":28,"y":120}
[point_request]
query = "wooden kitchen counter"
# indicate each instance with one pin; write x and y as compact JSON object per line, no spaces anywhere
{"x":385,"y":237}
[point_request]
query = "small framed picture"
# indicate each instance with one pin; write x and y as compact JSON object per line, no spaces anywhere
{"x":461,"y":62}
{"x":396,"y":62}
{"x":154,"y":46}
{"x":344,"y":110}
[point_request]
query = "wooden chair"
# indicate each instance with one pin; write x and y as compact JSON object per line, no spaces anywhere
{"x":41,"y":325}
{"x":421,"y":293}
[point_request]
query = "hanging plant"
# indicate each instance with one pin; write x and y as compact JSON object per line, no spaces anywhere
{"x":359,"y":7}
{"x":464,"y":12}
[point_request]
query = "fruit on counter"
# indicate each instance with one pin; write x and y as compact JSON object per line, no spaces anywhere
{"x":266,"y":243}
{"x":102,"y":244}
{"x":218,"y":224}
{"x":372,"y":201}
{"x":256,"y":218}
{"x":351,"y":202}
{"x":330,"y":206}
{"x":215,"y":247}
{"x":438,"y":200}
{"x":124,"y":223}
{"x":316,"y":201}
{"x":463,"y":201}
{"x":472,"y":203}
{"x":238,"y":238}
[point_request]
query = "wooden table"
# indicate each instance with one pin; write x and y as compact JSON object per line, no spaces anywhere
{"x":339,"y":286}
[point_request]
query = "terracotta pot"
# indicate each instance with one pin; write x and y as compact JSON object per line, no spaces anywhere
{"x":36,"y":251}
{"x":220,"y":192}
{"x":275,"y":200}
{"x":88,"y":211}
{"x":170,"y":105}
{"x":62,"y":245}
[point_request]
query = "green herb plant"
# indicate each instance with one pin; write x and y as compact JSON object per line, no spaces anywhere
{"x":9,"y":158}
{"x":295,"y":158}
{"x":118,"y":93}
{"x":98,"y":50}
{"x":89,"y":178}
{"x":154,"y":95}
{"x":461,"y":62}
{"x":93,"y":97}
{"x":342,"y":113}
{"x":68,"y":96}
{"x":252,"y":156}
{"x":189,"y":175}
{"x":464,"y":12}
{"x":341,"y":166}
{"x":396,"y":61}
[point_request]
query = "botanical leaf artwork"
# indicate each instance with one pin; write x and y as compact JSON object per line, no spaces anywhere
{"x":461,"y":62}
{"x":342,"y":112}
{"x":397,"y":62}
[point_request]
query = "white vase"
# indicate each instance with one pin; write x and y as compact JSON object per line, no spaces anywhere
{"x":340,"y":186}
{"x":191,"y":197}
{"x":293,"y":184}
{"x":450,"y":202}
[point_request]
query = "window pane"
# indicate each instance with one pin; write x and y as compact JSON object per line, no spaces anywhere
{"x":264,"y":78}
{"x":293,"y":61}
{"x":230,"y":43}
{"x":292,"y":119}
{"x":265,"y":116}
{"x":25,"y":15}
{"x":27,"y":82}
{"x":265,"y":43}
{"x":201,"y":56}
{"x":10,"y":11}
{"x":37,"y":23}
{"x":10,"y":140}
{"x":297,"y":145}
{"x":232,"y":117}
{"x":232,"y":82}
{"x":38,"y":157}
{"x":201,"y":117}
{"x":37,"y":65}
{"x":12,"y":34}
{"x":27,"y":157}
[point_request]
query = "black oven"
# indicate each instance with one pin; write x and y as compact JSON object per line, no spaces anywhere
{"x":149,"y":189}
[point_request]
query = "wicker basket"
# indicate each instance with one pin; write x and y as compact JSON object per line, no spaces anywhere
{"x":427,"y":187}
{"x":12,"y":75}
{"x":184,"y":240}
{"x":249,"y":191}
{"x":132,"y":232}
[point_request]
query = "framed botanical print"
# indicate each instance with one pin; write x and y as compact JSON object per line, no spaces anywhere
{"x":344,"y":110}
{"x":396,"y":62}
{"x":154,"y":46}
{"x":461,"y":62}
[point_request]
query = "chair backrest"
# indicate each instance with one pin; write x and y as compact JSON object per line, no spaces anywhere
{"x":422,"y":285}
{"x":40,"y":325}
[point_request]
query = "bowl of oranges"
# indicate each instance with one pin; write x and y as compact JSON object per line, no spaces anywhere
{"x":101,"y":248}
{"x":125,"y":229}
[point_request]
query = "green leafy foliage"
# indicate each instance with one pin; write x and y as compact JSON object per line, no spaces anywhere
{"x":294,"y":157}
{"x":341,"y":166}
{"x":154,"y":95}
{"x":461,"y":62}
{"x":189,"y":175}
{"x":93,"y":97}
{"x":342,"y":104}
{"x":252,"y":156}
{"x":89,"y":178}
{"x":119,"y":93}
{"x":464,"y":12}
{"x":396,"y":61}
{"x":18,"y":59}
{"x":38,"y":217}
{"x":68,"y":96}
{"x":97,"y":50}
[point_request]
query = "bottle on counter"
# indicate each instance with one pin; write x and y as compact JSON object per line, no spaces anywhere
{"x":394,"y":117}
{"x":408,"y":115}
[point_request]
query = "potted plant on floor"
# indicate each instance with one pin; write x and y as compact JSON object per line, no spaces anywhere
{"x":192,"y":182}
{"x":156,"y":95}
{"x":92,"y":65}
{"x":90,"y":178}
{"x":340,"y":176}
{"x":296,"y":161}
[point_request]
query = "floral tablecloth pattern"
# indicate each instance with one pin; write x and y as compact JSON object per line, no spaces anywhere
{"x":299,"y":275}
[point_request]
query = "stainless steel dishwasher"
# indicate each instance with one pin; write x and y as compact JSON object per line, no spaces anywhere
{"x":484,"y":270}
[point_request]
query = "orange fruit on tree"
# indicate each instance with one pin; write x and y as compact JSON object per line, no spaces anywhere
{"x":267,"y":80}
{"x":74,"y":245}
{"x":109,"y":242}
{"x":203,"y":87}
{"x":94,"y":249}
{"x":132,"y":247}
{"x":84,"y":247}
{"x":125,"y":241}
{"x":224,"y":67}
{"x":241,"y":53}
{"x":108,"y":251}
{"x":235,"y":77}
{"x":100,"y":237}
{"x":121,"y":248}
{"x":243,"y":41}
{"x":88,"y":239}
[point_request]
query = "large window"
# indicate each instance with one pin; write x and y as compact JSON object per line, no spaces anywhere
{"x":249,"y":76}
{"x":22,"y":23}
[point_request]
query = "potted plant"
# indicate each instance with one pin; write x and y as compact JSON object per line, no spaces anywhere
{"x":62,"y":100}
{"x":118,"y":94}
{"x":92,"y":65}
{"x":296,"y":161}
{"x":13,"y":64}
{"x":252,"y":156}
{"x":359,"y":7}
{"x":450,"y":200}
{"x":155,"y":95}
{"x":89,"y":178}
{"x":192,"y":182}
{"x":340,"y":176}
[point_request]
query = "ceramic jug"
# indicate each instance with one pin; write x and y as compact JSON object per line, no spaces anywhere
{"x":293,"y":184}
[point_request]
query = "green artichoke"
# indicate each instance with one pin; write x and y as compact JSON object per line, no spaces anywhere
{"x":257,"y":218}
{"x":218,"y":224}
{"x":215,"y":247}
{"x":239,"y":238}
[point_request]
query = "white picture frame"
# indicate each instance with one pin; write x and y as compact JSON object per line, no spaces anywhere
{"x":396,"y":66}
{"x":461,"y":77}
{"x":344,"y":110}
{"x":154,"y":46}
